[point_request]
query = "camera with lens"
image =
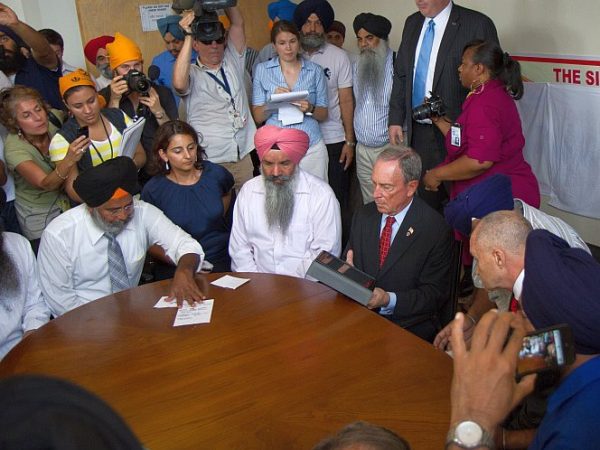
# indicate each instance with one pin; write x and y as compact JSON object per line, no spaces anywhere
{"x":206,"y":26}
{"x":137,"y":82}
{"x":432,"y":107}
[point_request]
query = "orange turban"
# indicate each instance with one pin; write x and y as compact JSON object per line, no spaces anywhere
{"x":77,"y":78}
{"x":294,"y":143}
{"x":121,"y":50}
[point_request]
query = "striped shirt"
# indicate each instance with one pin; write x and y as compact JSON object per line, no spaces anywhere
{"x":268,"y":76}
{"x":100,"y":151}
{"x":371,"y":111}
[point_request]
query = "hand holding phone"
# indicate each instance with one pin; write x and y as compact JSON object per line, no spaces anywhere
{"x":83,"y":131}
{"x":545,"y":349}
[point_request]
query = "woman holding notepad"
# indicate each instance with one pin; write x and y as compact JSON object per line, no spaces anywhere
{"x":290,"y":73}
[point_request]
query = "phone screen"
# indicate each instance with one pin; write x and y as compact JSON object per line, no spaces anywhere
{"x":546,"y":349}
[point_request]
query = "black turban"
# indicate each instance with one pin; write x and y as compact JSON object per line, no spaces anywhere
{"x":97,"y":185}
{"x":562,"y":285}
{"x":46,"y":413}
{"x":321,"y":8}
{"x":376,"y":25}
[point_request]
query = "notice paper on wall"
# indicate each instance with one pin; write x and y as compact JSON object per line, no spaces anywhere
{"x":149,"y":14}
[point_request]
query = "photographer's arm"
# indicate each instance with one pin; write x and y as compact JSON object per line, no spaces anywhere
{"x":443,"y":123}
{"x":181,"y":69}
{"x":237,"y":35}
{"x":463,"y":168}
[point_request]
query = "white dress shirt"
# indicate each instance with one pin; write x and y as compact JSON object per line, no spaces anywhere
{"x":315,"y":226}
{"x":24,"y":309}
{"x":73,"y":253}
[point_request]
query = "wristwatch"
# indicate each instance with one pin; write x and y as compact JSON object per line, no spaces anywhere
{"x":159,"y":115}
{"x":469,"y":434}
{"x":351,"y":144}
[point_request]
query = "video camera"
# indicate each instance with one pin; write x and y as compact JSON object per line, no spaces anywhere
{"x":433,"y":106}
{"x":206,"y":26}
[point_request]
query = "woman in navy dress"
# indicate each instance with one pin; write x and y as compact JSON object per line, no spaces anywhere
{"x":193,"y":192}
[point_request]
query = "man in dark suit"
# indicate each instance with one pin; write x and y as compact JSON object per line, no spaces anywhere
{"x":404,"y":244}
{"x":417,"y":73}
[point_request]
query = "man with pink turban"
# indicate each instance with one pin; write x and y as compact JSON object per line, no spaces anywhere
{"x":284,"y":217}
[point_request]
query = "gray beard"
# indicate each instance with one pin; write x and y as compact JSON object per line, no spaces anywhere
{"x":370,"y":71}
{"x":113,"y":228}
{"x":105,"y":70}
{"x":279,"y":201}
{"x":9,"y":276}
{"x":312,"y":41}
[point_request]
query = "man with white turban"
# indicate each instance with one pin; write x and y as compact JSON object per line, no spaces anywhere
{"x":284,"y":217}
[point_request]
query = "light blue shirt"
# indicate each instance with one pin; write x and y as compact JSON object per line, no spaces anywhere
{"x":268,"y":76}
{"x":372,"y":108}
{"x":389,"y":309}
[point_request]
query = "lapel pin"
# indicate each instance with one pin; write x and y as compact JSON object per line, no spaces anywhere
{"x":410,"y":231}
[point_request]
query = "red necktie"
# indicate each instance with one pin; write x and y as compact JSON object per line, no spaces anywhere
{"x":386,"y":239}
{"x":514,"y":305}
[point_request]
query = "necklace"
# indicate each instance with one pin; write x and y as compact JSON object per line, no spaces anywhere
{"x":45,"y":153}
{"x":112,"y":155}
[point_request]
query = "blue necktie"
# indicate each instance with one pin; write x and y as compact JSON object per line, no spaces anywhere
{"x":423,"y":65}
{"x":117,"y":270}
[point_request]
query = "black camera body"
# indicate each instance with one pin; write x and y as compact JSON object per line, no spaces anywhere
{"x":432,"y":107}
{"x":206,"y":26}
{"x":137,"y":82}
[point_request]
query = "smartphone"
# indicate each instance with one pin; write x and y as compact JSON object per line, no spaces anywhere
{"x":83,"y":131}
{"x":545,"y":349}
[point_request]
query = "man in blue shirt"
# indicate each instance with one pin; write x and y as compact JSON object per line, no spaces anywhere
{"x":41,"y":70}
{"x":173,"y":36}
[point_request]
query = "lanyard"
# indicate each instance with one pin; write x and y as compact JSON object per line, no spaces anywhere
{"x":224,"y":84}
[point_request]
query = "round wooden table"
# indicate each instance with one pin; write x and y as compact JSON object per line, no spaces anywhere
{"x":283,"y":363}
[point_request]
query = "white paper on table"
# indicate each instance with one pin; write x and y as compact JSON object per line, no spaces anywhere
{"x":290,"y":114}
{"x":163,"y":303}
{"x":229,"y":282}
{"x":190,"y":315}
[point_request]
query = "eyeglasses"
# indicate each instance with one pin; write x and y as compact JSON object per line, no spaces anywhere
{"x":217,"y":41}
{"x":127,"y":209}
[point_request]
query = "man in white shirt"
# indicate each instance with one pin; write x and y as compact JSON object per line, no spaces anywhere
{"x":214,"y":91}
{"x":99,"y":248}
{"x":313,"y":18}
{"x":285,"y":217}
{"x":22,"y":307}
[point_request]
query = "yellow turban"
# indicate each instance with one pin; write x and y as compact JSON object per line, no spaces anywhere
{"x":122,"y":50}
{"x":77,"y":78}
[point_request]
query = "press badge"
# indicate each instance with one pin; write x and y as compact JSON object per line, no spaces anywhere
{"x":455,"y":135}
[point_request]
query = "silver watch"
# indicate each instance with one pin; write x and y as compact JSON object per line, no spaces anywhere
{"x":469,"y":434}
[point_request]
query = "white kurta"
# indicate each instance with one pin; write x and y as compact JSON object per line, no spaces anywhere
{"x":25,"y":309}
{"x":73,"y":253}
{"x":315,"y":226}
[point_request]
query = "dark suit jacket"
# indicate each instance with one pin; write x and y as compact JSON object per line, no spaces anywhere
{"x":417,"y":268}
{"x":464,"y":25}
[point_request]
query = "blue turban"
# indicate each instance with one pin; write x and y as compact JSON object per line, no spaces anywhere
{"x":284,"y":9}
{"x":321,"y":8}
{"x":490,"y":195}
{"x":14,"y":36}
{"x":170,"y":24}
{"x":562,"y":285}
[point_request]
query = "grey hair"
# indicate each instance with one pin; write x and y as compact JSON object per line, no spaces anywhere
{"x":505,"y":229}
{"x":407,"y":158}
{"x":377,"y":438}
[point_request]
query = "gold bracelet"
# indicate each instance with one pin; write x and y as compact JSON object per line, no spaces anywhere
{"x":59,"y":175}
